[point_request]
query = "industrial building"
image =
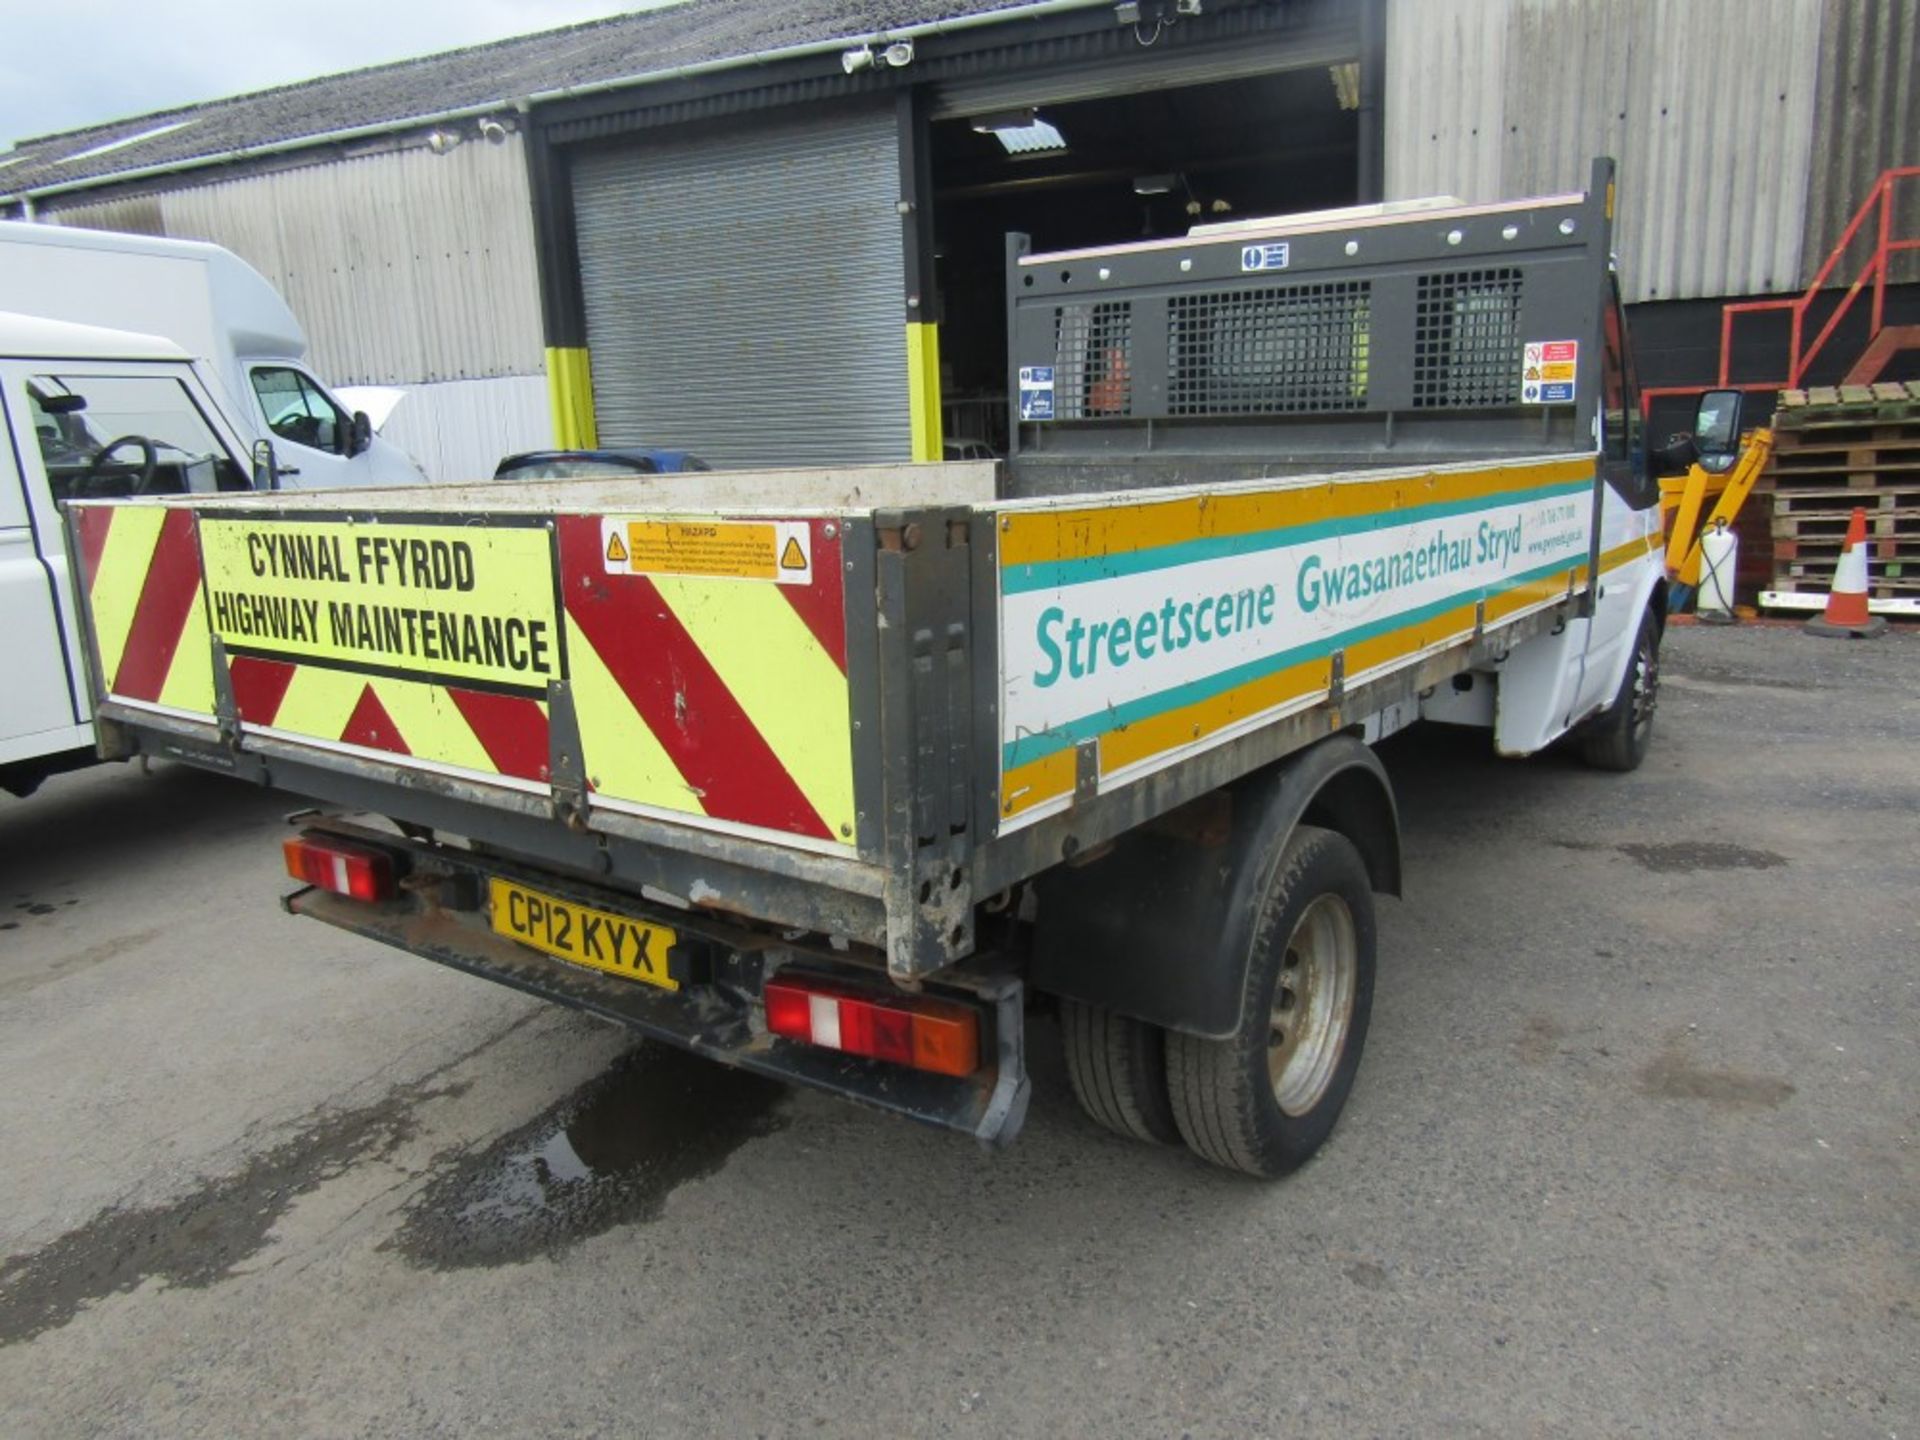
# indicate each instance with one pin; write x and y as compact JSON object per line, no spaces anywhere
{"x":778,"y":235}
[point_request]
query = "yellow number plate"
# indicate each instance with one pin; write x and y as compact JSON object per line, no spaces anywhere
{"x":617,"y":944}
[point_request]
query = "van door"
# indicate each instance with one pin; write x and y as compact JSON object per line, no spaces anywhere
{"x":1629,"y":511}
{"x":312,"y":433}
{"x":42,"y":698}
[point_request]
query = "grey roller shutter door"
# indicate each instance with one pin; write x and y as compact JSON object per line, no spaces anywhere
{"x":744,"y":291}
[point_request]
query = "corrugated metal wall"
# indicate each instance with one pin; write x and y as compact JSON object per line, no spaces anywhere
{"x":404,"y":268}
{"x":1707,"y":104}
{"x":744,"y":290}
{"x":1867,"y":120}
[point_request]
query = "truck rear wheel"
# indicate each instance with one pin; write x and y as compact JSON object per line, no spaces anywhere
{"x":1118,"y":1066}
{"x":1265,"y":1098}
{"x":1617,"y":738}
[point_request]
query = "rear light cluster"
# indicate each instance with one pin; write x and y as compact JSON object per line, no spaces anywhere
{"x":927,"y":1034}
{"x":359,"y":872}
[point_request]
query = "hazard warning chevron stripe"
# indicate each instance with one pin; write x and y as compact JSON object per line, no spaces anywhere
{"x":142,"y":573}
{"x":719,"y":697}
{"x":485,"y":734}
{"x":711,"y":695}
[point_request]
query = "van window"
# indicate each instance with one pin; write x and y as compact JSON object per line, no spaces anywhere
{"x":298,"y":410}
{"x":103,"y":436}
{"x":1620,"y":418}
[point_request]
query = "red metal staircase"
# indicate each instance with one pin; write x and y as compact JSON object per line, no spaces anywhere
{"x":1883,"y":341}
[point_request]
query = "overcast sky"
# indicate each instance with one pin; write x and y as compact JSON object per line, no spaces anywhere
{"x":69,"y":63}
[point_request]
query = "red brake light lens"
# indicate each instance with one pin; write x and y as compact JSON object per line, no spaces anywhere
{"x":359,"y":872}
{"x":941,"y":1036}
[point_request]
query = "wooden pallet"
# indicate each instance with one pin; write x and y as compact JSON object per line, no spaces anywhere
{"x":1825,"y":405}
{"x":1835,"y":449}
{"x":1883,"y":524}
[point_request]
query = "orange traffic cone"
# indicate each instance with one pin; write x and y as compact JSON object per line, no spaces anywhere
{"x":1847,"y":602}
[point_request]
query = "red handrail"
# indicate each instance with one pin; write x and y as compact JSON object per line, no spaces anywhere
{"x":1879,"y":202}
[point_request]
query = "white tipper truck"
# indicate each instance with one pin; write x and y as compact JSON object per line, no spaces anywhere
{"x":833,"y":774}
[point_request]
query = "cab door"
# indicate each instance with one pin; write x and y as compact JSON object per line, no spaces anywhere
{"x":41,"y":703}
{"x":1629,"y":513}
{"x":312,"y":435}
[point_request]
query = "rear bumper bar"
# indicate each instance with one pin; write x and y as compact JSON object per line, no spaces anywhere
{"x":722,"y":1021}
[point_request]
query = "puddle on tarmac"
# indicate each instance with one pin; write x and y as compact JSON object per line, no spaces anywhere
{"x":1686,"y":857}
{"x":607,"y":1155}
{"x":203,"y":1237}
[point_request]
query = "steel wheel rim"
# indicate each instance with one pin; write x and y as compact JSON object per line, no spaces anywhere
{"x":1312,"y":1012}
{"x":1646,"y":683}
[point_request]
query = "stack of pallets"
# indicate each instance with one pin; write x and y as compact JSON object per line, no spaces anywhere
{"x":1835,"y":448}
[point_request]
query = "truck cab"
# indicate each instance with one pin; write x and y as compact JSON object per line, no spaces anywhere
{"x":88,"y":413}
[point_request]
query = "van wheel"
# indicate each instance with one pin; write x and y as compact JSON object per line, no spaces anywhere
{"x":1264,"y":1099}
{"x":1118,"y":1066}
{"x":1617,"y":738}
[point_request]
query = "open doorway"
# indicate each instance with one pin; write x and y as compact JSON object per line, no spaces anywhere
{"x":1110,"y":170}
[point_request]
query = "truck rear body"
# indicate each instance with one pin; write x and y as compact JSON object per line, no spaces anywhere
{"x":827,"y":724}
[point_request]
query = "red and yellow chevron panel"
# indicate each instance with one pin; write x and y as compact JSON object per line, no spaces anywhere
{"x":141,"y":568}
{"x":719,"y":694}
{"x":484,"y":733}
{"x":706,"y":659}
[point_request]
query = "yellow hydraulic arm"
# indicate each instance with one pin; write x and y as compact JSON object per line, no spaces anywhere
{"x":1683,"y":545}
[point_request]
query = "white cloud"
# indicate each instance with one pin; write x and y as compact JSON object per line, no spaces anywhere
{"x":80,"y":62}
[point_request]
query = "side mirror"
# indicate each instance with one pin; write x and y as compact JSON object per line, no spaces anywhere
{"x":1716,"y":423}
{"x":266,"y":466}
{"x":1716,"y":428}
{"x":361,"y":436}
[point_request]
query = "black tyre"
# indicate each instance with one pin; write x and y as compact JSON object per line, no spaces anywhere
{"x":1118,"y":1067}
{"x":1617,"y":738}
{"x":1264,"y":1099}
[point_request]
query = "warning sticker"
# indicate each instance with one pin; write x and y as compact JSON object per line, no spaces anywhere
{"x":465,"y":605}
{"x":1036,"y":392}
{"x":1549,"y":371}
{"x":777,"y":550}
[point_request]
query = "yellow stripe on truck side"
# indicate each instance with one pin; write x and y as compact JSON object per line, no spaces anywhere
{"x":781,"y":677}
{"x":1036,"y":536}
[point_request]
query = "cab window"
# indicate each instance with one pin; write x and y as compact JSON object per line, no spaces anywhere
{"x":299,"y":410}
{"x":103,"y":436}
{"x":1623,"y":446}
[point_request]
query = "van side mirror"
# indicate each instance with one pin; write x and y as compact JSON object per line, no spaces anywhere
{"x":266,"y":466}
{"x":1716,"y":424}
{"x":361,"y":435}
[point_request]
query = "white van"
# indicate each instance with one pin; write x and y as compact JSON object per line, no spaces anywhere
{"x":218,"y":308}
{"x":85,"y":412}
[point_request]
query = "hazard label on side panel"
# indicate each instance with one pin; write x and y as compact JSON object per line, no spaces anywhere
{"x":777,"y":550}
{"x":1549,"y":371}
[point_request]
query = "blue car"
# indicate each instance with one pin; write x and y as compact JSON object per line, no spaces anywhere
{"x":585,"y":464}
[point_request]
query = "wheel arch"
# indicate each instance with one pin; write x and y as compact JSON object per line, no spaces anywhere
{"x":1159,"y":928}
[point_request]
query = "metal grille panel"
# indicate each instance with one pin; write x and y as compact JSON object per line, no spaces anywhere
{"x":1271,"y":350}
{"x":1093,"y":360}
{"x":743,"y":291}
{"x":1466,"y":340}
